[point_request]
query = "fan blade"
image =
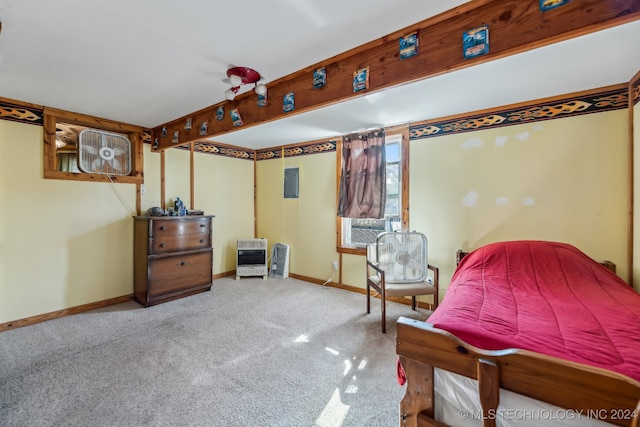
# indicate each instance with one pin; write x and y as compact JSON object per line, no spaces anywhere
{"x":115,"y":164}
{"x":96,"y":165}
{"x":90,"y":149}
{"x":118,"y":151}
{"x":395,"y":239}
{"x":415,"y":264}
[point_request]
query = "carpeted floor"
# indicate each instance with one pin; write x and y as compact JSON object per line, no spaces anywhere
{"x":248,"y":353}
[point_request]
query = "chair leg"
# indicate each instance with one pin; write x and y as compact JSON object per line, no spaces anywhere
{"x":384,"y":313}
{"x":368,"y":298}
{"x":413,"y":303}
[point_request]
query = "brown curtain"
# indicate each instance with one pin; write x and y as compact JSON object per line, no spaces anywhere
{"x":362,"y":185}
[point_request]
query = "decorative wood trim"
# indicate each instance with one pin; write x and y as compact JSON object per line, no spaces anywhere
{"x":49,"y":130}
{"x":226,"y":274}
{"x":146,"y":136}
{"x":255,"y":196}
{"x":85,"y":120}
{"x":595,"y":101}
{"x":22,"y":104}
{"x":209,"y":147}
{"x":634,"y":89}
{"x":64,"y":312}
{"x":163,"y":181}
{"x":23,"y":112}
{"x":52,"y":116}
{"x":634,"y":97}
{"x":601,"y":99}
{"x":442,"y":55}
{"x":355,"y":289}
{"x":192,"y":177}
{"x":338,"y":178}
{"x":137,"y":157}
{"x":93,"y":177}
{"x":404,"y":173}
{"x":293,"y":150}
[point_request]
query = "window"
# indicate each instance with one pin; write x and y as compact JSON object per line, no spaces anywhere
{"x":61,"y":130}
{"x":356,"y":234}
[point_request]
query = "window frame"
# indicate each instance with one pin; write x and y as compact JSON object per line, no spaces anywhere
{"x":403,"y":131}
{"x":52,"y":116}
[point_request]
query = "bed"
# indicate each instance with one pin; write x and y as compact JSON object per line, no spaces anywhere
{"x":529,"y":333}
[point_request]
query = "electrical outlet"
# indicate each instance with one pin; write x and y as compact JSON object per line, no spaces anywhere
{"x":143,"y":190}
{"x":335,"y":265}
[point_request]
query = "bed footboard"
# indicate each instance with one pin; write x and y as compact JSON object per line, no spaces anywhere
{"x":587,"y":390}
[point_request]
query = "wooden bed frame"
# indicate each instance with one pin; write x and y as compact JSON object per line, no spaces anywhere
{"x":588,"y":391}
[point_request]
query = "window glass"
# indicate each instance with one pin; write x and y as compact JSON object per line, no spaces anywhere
{"x":363,"y":231}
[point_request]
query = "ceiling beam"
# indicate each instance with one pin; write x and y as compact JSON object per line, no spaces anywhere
{"x":515,"y":26}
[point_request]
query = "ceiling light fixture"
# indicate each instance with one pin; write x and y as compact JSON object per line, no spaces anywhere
{"x":239,"y":76}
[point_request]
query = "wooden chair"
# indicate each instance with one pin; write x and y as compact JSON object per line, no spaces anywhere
{"x":397,"y":266}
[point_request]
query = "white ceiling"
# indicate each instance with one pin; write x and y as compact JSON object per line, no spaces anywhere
{"x":147,"y":62}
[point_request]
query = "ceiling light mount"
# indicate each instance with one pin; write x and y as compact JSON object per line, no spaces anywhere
{"x":239,"y":76}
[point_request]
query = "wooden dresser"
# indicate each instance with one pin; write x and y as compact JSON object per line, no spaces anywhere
{"x":173,"y":257}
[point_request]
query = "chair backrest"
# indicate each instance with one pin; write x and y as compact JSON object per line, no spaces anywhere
{"x":402,"y":255}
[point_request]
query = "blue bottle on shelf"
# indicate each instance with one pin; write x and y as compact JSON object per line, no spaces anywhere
{"x":179,"y":207}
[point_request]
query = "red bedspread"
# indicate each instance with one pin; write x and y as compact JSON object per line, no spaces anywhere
{"x":545,"y":297}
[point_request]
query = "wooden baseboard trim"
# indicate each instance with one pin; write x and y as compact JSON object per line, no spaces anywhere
{"x":117,"y":300}
{"x":349,"y":288}
{"x":227,"y":274}
{"x":64,"y":312}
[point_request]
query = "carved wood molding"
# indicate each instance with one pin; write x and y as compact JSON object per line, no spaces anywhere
{"x":634,"y":89}
{"x":22,"y":112}
{"x":603,"y":99}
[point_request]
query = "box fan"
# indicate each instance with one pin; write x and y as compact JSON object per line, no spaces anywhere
{"x":103,"y":152}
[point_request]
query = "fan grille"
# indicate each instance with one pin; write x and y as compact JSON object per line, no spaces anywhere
{"x":103,"y":152}
{"x":403,"y":256}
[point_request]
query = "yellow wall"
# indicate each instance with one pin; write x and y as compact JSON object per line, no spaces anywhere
{"x":224,"y":188}
{"x":62,"y":243}
{"x":571,"y":174}
{"x":65,"y":243}
{"x":306,"y":224}
{"x":562,"y":180}
{"x":177,"y":176}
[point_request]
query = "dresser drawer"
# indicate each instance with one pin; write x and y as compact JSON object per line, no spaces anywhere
{"x":179,"y":234}
{"x":177,"y":273}
{"x":170,"y":227}
{"x":179,"y":242}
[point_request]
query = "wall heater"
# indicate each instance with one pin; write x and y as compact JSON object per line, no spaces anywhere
{"x":251,"y":258}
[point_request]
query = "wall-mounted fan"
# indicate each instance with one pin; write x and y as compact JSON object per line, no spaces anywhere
{"x":103,"y":152}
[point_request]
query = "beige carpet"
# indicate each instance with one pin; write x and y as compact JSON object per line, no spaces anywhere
{"x":247,"y":353}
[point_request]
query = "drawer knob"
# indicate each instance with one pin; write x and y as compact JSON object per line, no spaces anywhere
{"x":201,"y":240}
{"x":162,"y":227}
{"x":184,"y":262}
{"x":162,"y":245}
{"x":203,"y":225}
